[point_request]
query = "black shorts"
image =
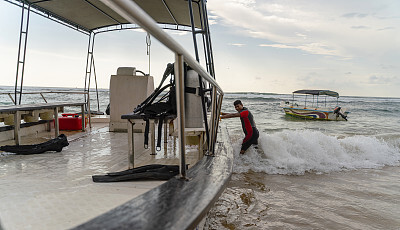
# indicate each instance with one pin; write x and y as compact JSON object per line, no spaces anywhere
{"x":252,"y":141}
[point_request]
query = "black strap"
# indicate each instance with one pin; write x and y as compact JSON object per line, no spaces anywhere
{"x":146,"y":134}
{"x":160,"y":123}
{"x":191,"y":90}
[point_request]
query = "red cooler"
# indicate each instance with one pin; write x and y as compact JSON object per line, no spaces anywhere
{"x":70,"y":121}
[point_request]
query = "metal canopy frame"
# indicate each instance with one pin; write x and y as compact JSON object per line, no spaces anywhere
{"x":94,"y":14}
{"x":313,"y":94}
{"x":198,"y":24}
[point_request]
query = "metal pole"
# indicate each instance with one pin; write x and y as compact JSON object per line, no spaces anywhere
{"x":131,"y":156}
{"x":212,"y":121}
{"x":89,"y":60}
{"x":217,"y":122}
{"x":90,"y":69}
{"x":204,"y":109}
{"x":56,"y":123}
{"x":180,"y":106}
{"x":203,"y":33}
{"x":305,"y":102}
{"x":165,"y":136}
{"x":208,"y":39}
{"x":83,"y":118}
{"x":23,"y":58}
{"x":293,"y":100}
{"x":41,"y":94}
{"x":312,"y":105}
{"x":19,"y":62}
{"x":88,"y":110}
{"x":95,"y":81}
{"x":17,"y":127}
{"x":19,"y":53}
{"x":193,"y":30}
{"x":153,"y":136}
{"x":12,"y":99}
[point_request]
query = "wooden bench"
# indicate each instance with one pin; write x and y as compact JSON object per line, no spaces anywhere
{"x":18,"y":111}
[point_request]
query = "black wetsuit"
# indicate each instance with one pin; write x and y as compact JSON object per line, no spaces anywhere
{"x":249,"y":129}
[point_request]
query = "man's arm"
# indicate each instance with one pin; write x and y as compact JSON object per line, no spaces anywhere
{"x":229,"y":115}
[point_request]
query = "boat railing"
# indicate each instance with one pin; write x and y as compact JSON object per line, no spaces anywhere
{"x":41,"y":93}
{"x":134,"y":14}
{"x":314,"y":101}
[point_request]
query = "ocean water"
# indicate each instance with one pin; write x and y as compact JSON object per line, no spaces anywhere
{"x":306,"y":174}
{"x":310,"y":174}
{"x":98,"y":100}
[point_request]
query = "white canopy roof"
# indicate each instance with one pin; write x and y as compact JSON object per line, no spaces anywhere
{"x":89,"y":15}
{"x":318,"y":92}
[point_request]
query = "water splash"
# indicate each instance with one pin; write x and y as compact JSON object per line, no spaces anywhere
{"x":300,"y":151}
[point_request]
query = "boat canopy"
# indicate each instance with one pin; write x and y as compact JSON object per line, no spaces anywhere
{"x":318,"y":92}
{"x":90,"y":15}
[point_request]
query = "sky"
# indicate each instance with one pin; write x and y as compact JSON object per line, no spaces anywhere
{"x":349,"y":46}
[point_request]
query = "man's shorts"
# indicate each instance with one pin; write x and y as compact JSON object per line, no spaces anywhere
{"x":252,"y":141}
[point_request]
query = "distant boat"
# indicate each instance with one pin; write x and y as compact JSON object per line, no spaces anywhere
{"x":318,"y":108}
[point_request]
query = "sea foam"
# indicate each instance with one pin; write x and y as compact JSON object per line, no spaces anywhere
{"x":300,"y":151}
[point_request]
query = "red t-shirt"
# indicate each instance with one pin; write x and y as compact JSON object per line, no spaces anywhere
{"x":247,"y":123}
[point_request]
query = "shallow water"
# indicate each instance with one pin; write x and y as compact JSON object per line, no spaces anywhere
{"x":314,"y":174}
{"x":358,"y":199}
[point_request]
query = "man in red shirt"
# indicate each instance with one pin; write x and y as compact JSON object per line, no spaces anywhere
{"x":248,"y":125}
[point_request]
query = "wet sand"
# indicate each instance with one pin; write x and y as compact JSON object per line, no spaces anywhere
{"x":357,"y":199}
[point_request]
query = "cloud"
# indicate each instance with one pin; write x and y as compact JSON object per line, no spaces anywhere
{"x":387,"y":28}
{"x":237,"y":44}
{"x":387,"y":67}
{"x":314,"y":48}
{"x":354,"y":15}
{"x":311,"y":26}
{"x":360,"y":27}
{"x":213,"y":19}
{"x":255,"y":22}
{"x":325,"y":80}
{"x":381,"y":80}
{"x":294,"y":26}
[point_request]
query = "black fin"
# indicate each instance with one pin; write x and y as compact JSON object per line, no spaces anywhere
{"x":56,"y":144}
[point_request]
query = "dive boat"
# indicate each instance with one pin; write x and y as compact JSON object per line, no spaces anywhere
{"x":317,"y":108}
{"x":143,"y":185}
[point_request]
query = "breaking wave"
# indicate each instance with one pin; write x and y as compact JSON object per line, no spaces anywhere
{"x":297,"y":152}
